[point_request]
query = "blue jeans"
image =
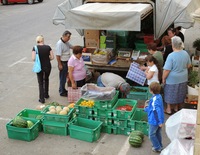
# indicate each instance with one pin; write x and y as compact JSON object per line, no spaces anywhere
{"x":99,"y":82}
{"x":63,"y":77}
{"x":155,"y":136}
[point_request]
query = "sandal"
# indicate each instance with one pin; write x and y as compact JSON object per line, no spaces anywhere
{"x":168,"y":113}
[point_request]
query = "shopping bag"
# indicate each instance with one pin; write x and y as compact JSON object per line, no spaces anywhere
{"x":37,"y":64}
{"x":74,"y":94}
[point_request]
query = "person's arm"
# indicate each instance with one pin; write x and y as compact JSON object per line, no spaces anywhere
{"x":60,"y":67}
{"x":165,"y":75}
{"x":51,"y":55}
{"x":33,"y":55}
{"x":149,"y":74}
{"x":73,"y":82}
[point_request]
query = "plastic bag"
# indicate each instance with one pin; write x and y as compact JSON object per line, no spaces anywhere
{"x":37,"y":64}
{"x":181,"y":124}
{"x":92,"y":91}
{"x":179,"y":147}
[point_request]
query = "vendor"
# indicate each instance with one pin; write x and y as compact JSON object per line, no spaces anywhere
{"x":113,"y":80}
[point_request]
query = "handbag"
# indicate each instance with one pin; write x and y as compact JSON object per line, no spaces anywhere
{"x":37,"y":64}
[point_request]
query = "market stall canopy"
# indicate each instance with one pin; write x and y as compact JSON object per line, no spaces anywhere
{"x":125,"y":16}
{"x":108,"y":16}
{"x":173,"y":11}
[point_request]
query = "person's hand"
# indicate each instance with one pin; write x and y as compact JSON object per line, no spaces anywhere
{"x":160,"y":125}
{"x":60,"y":67}
{"x":74,"y":86}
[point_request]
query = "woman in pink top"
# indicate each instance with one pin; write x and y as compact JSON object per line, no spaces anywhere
{"x":76,"y":68}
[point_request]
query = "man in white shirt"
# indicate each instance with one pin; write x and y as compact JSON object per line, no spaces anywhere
{"x":62,"y":55}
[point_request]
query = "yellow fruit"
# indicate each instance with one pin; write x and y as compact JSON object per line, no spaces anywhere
{"x":63,"y":112}
{"x":66,"y":109}
{"x":58,"y":108}
{"x":52,"y":107}
{"x":58,"y":111}
{"x":52,"y":111}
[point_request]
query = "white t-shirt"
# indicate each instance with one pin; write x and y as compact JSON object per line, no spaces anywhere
{"x":155,"y":75}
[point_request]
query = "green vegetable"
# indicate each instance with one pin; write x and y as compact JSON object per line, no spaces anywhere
{"x":135,"y":140}
{"x":39,"y":117}
{"x":29,"y":124}
{"x":19,"y":122}
{"x":134,"y":89}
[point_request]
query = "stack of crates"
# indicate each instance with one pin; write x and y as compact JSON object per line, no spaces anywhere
{"x":139,"y":121}
{"x":26,"y":134}
{"x":55,"y":123}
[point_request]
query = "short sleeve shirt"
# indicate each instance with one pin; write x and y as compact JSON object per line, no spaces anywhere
{"x":155,"y":75}
{"x":159,"y":57}
{"x":177,"y":63}
{"x":63,"y":50}
{"x":79,"y":72}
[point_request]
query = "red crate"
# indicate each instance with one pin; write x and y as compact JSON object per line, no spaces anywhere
{"x":148,"y":39}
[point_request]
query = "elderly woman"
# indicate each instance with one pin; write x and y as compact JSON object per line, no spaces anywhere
{"x":76,"y":68}
{"x":175,"y":75}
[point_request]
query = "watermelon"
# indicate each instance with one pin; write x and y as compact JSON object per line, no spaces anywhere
{"x":135,"y":141}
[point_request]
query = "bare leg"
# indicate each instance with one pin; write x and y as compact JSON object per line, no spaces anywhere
{"x":176,"y":107}
{"x":168,"y":110}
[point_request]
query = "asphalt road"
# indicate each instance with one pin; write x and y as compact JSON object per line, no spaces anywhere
{"x":20,"y":24}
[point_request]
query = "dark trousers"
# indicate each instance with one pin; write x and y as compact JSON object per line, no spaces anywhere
{"x":80,"y":83}
{"x":43,"y":82}
{"x":63,"y":77}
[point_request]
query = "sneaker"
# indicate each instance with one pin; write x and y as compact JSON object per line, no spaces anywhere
{"x":154,"y":150}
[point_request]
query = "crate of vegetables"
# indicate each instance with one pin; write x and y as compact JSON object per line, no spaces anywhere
{"x":124,"y":108}
{"x":139,"y":121}
{"x":58,"y":113}
{"x":23,"y":128}
{"x":34,"y":114}
{"x":84,"y":107}
{"x":138,"y":93}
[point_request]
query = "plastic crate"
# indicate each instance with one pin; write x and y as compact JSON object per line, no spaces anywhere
{"x":56,"y":128}
{"x":121,"y":113}
{"x":103,"y":113}
{"x":85,"y":129}
{"x":25,"y":134}
{"x":56,"y":117}
{"x":104,"y":120}
{"x":107,"y":104}
{"x":148,"y":39}
{"x":123,"y":123}
{"x":87,"y":111}
{"x":139,"y":121}
{"x":107,"y":129}
{"x":122,"y":131}
{"x":34,"y":114}
{"x":139,"y":95}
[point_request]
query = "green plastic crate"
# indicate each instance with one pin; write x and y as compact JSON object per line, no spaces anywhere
{"x":123,"y":123}
{"x":85,"y":129}
{"x":103,"y":113}
{"x":88,"y":111}
{"x":104,"y":120}
{"x":143,"y":95}
{"x":122,"y":131}
{"x":107,"y":104}
{"x":34,"y":114}
{"x":124,"y":114}
{"x":56,"y":117}
{"x":139,"y":121}
{"x":56,"y":128}
{"x":110,"y":129}
{"x":25,"y":134}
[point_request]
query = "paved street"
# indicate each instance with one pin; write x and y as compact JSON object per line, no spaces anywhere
{"x":20,"y":24}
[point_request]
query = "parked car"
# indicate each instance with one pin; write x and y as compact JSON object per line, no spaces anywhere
{"x":5,"y":2}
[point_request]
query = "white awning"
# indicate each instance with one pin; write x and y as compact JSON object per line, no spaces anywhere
{"x":107,"y":16}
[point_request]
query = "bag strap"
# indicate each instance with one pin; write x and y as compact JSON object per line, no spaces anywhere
{"x":36,"y":49}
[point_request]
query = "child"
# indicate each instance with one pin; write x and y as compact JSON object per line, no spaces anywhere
{"x":155,"y":112}
{"x":153,"y":72}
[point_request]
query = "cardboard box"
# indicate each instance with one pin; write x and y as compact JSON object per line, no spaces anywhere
{"x":92,"y":43}
{"x":92,"y":34}
{"x":87,"y":54}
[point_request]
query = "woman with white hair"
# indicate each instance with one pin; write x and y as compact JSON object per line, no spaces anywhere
{"x":175,"y":76}
{"x":45,"y":54}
